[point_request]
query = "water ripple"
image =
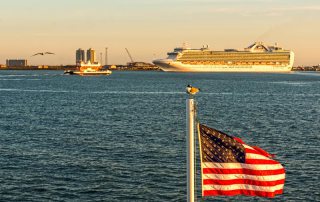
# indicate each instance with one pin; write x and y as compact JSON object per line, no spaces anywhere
{"x":122,"y":137}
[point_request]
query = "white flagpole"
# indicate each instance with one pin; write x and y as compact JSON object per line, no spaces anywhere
{"x":190,"y":149}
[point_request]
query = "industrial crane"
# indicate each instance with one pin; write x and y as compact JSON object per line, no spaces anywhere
{"x":138,"y":65}
{"x":129,"y":56}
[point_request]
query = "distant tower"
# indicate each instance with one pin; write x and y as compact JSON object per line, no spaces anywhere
{"x":91,"y":55}
{"x":106,"y":58}
{"x":80,"y":57}
{"x":100,"y":58}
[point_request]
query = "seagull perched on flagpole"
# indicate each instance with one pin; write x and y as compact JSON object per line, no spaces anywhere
{"x":43,"y":53}
{"x":192,"y":90}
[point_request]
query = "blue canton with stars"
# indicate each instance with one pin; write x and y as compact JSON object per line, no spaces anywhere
{"x":219,"y":147}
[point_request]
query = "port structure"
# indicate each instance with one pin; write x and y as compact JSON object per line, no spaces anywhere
{"x":129,"y":55}
{"x":106,"y":56}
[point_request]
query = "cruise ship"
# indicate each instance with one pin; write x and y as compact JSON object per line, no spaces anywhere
{"x":258,"y":57}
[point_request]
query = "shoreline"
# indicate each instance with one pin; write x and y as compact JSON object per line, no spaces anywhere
{"x":127,"y":69}
{"x":74,"y":68}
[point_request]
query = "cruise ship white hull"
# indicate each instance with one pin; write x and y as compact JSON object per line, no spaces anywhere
{"x":256,"y":58}
{"x":173,"y":66}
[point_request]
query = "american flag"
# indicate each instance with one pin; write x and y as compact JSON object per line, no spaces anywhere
{"x":231,"y":167}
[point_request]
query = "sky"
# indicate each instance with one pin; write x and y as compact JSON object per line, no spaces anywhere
{"x":151,"y":28}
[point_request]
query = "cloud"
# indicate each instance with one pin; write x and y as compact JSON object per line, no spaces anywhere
{"x":245,"y":11}
{"x":300,"y":8}
{"x":227,"y":1}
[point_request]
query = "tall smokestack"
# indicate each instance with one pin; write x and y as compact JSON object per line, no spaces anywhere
{"x":106,"y":57}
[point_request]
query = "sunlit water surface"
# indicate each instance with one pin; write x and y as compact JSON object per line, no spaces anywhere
{"x":122,"y":137}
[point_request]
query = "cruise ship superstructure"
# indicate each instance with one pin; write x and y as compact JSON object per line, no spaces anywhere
{"x":256,"y":58}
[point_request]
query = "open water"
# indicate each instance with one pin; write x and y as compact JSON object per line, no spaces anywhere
{"x":122,"y":137}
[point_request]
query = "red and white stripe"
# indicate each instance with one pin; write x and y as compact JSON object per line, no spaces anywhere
{"x":258,"y":176}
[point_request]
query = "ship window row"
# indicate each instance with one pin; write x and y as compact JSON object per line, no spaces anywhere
{"x":236,"y":55}
{"x":233,"y":54}
{"x":234,"y":59}
{"x":234,"y":63}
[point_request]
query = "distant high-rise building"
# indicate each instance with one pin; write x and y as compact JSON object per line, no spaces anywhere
{"x":16,"y":63}
{"x":91,"y":55}
{"x":80,"y":56}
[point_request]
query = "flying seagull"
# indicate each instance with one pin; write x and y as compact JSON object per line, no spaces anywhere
{"x":192,"y":90}
{"x":43,"y":53}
